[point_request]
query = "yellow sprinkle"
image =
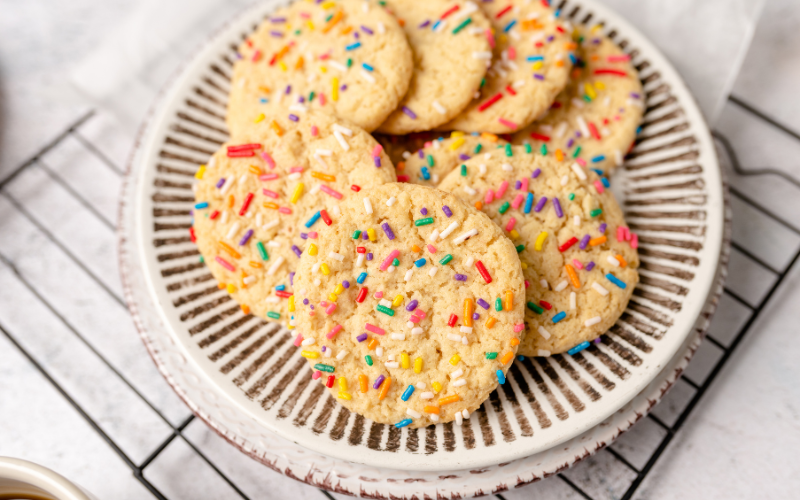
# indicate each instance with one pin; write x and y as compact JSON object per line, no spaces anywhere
{"x":343,"y":383}
{"x":457,"y":133}
{"x":587,"y":87}
{"x":524,"y":265}
{"x":600,"y":85}
{"x":418,"y":365}
{"x":514,"y":234}
{"x":596,"y":28}
{"x":436,"y":386}
{"x":536,"y":65}
{"x":310,"y":25}
{"x":259,"y":118}
{"x":298,"y":192}
{"x":325,"y":269}
{"x":372,"y":236}
{"x":344,"y":395}
{"x":397,"y":301}
{"x":540,"y":241}
{"x":455,"y":359}
{"x":327,"y":5}
{"x":323,"y":69}
{"x":490,"y":321}
{"x":312,"y":250}
{"x":405,"y":361}
{"x":339,"y":289}
{"x":457,"y":143}
{"x":290,"y":327}
{"x":311,"y":355}
{"x":200,"y":172}
{"x":231,"y":288}
{"x":291,"y":304}
{"x":335,"y":88}
{"x":282,"y":66}
{"x":333,"y":297}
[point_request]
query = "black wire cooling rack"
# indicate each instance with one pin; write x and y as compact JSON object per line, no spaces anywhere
{"x":635,"y":475}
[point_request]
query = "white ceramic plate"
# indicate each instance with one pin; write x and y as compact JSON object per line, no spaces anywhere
{"x":670,"y":188}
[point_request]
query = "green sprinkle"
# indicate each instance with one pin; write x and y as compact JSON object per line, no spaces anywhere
{"x":396,"y":262}
{"x":382,"y":3}
{"x":483,"y":82}
{"x":311,"y":96}
{"x":273,"y":315}
{"x":463,"y":170}
{"x":463,"y":25}
{"x":349,"y":62}
{"x":491,"y":355}
{"x":356,"y":234}
{"x":328,"y":18}
{"x":325,"y":368}
{"x":508,"y":150}
{"x":571,"y":196}
{"x":528,"y":148}
{"x":543,"y":149}
{"x":368,"y":359}
{"x":385,"y":310}
{"x":533,"y":307}
{"x":587,"y":98}
{"x":520,"y":248}
{"x":477,"y":149}
{"x":431,"y":163}
{"x":447,"y":258}
{"x":297,"y":32}
{"x":596,"y":212}
{"x":423,"y":222}
{"x":504,"y":207}
{"x":206,"y":215}
{"x":202,"y":259}
{"x":498,"y":304}
{"x":577,"y":152}
{"x":262,"y":251}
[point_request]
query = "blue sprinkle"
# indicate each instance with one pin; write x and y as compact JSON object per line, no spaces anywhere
{"x":353,"y":46}
{"x":610,"y":277}
{"x":202,"y":204}
{"x":263,"y":100}
{"x":578,"y":348}
{"x":280,"y":288}
{"x":605,"y":182}
{"x":420,"y":262}
{"x":407,"y":393}
{"x":528,"y":203}
{"x":426,"y":173}
{"x":558,"y":317}
{"x":314,"y":218}
{"x":501,"y":377}
{"x":572,"y":58}
{"x":598,"y":158}
{"x":436,"y":24}
{"x":534,"y":58}
{"x":367,"y":67}
{"x":597,"y":171}
{"x":520,"y":358}
{"x":361,"y":278}
{"x":403,"y":423}
{"x":509,"y":26}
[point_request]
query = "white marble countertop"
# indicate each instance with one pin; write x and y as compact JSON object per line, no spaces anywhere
{"x":86,"y":400}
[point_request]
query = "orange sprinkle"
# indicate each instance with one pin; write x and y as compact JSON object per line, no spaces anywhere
{"x":245,"y":309}
{"x":508,"y":303}
{"x":373,"y":343}
{"x":299,"y":63}
{"x":490,"y":321}
{"x":506,"y":357}
{"x":560,"y":63}
{"x":559,"y":155}
{"x":573,"y":276}
{"x":254,"y":169}
{"x":264,"y":89}
{"x":401,"y":22}
{"x":621,"y":260}
{"x":489,"y":137}
{"x":478,"y":205}
{"x":323,"y":177}
{"x":270,"y":204}
{"x":431,"y":409}
{"x":400,"y":166}
{"x":469,"y":307}
{"x":415,"y":249}
{"x":255,"y":264}
{"x":570,"y":46}
{"x":335,"y":19}
{"x":229,"y":250}
{"x":363,"y":381}
{"x":598,"y":241}
{"x":514,"y":341}
{"x":385,"y":388}
{"x":231,"y":199}
{"x":576,"y":73}
{"x":277,"y":128}
{"x":346,"y":30}
{"x":450,"y":399}
{"x":222,"y":286}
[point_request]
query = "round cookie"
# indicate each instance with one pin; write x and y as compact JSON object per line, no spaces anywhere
{"x":408,"y":318}
{"x":264,"y":195}
{"x":595,"y":119}
{"x":448,"y":43}
{"x":429,"y":165}
{"x":530,"y":66}
{"x":346,"y":57}
{"x":572,"y":239}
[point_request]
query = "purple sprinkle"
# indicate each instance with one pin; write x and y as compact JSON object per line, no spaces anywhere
{"x":369,"y":256}
{"x":291,"y":278}
{"x":276,"y":34}
{"x":424,"y":211}
{"x":536,"y":173}
{"x":412,"y":305}
{"x":378,"y":381}
{"x":356,"y":35}
{"x":410,"y":113}
{"x":343,"y":87}
{"x":578,"y":134}
{"x":294,"y":118}
{"x":551,"y":38}
{"x":420,"y":154}
{"x":426,"y":23}
{"x":461,"y":277}
{"x":288,"y":90}
{"x":602,"y":228}
{"x":387,"y":230}
{"x":464,"y":157}
{"x":476,"y":316}
{"x":276,"y":20}
{"x":367,"y":30}
{"x":220,"y":182}
{"x":447,"y":211}
{"x":324,"y":348}
{"x":540,"y":205}
{"x":364,"y":236}
{"x":377,"y":161}
{"x":239,"y":56}
{"x":636,"y":95}
{"x":483,"y":304}
{"x":301,"y":99}
{"x":305,"y":302}
{"x":246,"y":237}
{"x":362,"y":337}
{"x":584,"y":242}
{"x":517,"y":184}
{"x":597,"y":340}
{"x":557,"y":206}
{"x":304,"y":236}
{"x":346,"y":284}
{"x":538,"y":76}
{"x":570,"y":142}
{"x":311,"y":306}
{"x":297,"y":251}
{"x":590,"y":266}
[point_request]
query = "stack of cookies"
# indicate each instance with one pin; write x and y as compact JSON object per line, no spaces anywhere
{"x":411,"y":299}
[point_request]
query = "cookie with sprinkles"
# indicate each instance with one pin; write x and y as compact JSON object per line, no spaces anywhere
{"x":264,"y":195}
{"x":530,"y":64}
{"x":347,"y":57}
{"x":578,"y":256}
{"x":439,"y":157}
{"x":409,"y":306}
{"x":595,"y":119}
{"x":447,"y":38}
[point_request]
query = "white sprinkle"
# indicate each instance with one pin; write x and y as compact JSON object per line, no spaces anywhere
{"x":243,"y":178}
{"x":315,"y":267}
{"x":408,"y":275}
{"x":381,"y":28}
{"x":618,"y":157}
{"x":337,"y":65}
{"x":460,"y":382}
{"x":324,"y":152}
{"x":573,"y":300}
{"x":452,"y":227}
{"x":437,"y":144}
{"x":559,"y":132}
{"x":544,"y":333}
{"x":406,"y":155}
{"x":346,"y":131}
{"x":410,"y":324}
{"x":482,"y":55}
{"x":233,"y":230}
{"x":398,"y":336}
{"x":272,"y":300}
{"x":321,"y":161}
{"x":582,"y":126}
{"x":421,"y":386}
{"x":454,"y":337}
{"x":273,"y":244}
{"x":564,"y":180}
{"x":426,"y":395}
{"x":379,"y":351}
{"x":275,"y":265}
{"x":385,"y":303}
{"x":225,"y":215}
{"x":360,"y":260}
{"x":308,"y":341}
{"x":391,"y":269}
{"x":507,"y":167}
{"x":468,"y":9}
{"x":294,"y":176}
{"x":259,"y":219}
{"x":434,"y":417}
{"x":249,"y":280}
{"x":544,"y":353}
{"x":463,"y":236}
{"x":365,"y":6}
{"x":577,"y":103}
{"x":543,"y":282}
{"x":416,"y":331}
{"x":579,"y":171}
{"x":392,"y":364}
{"x":337,"y":256}
{"x":367,"y":76}
{"x":341,"y":355}
{"x":593,"y":321}
{"x":576,"y":220}
{"x":413,"y":414}
{"x":342,"y":141}
{"x":465,"y":329}
{"x":465,"y":340}
{"x":599,"y":288}
{"x":470,"y":190}
{"x":457,"y":373}
{"x":432,"y":272}
{"x":299,"y":108}
{"x":391,"y":201}
{"x":317,"y":282}
{"x":487,"y":156}
{"x":226,"y":187}
{"x":469,"y":261}
{"x":561,"y":286}
{"x":465,"y":414}
{"x":328,"y":352}
{"x":459,"y":419}
{"x":519,"y":84}
{"x":435,"y":179}
{"x":270,"y":224}
{"x":439,"y":108}
{"x":476,"y":30}
{"x":482,"y":168}
{"x":336,"y":211}
{"x":367,"y":206}
{"x":613,"y":261}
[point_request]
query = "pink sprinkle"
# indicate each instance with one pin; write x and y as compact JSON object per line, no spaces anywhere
{"x":429,"y":144}
{"x":502,"y":189}
{"x":256,"y":55}
{"x":512,"y":53}
{"x":415,"y":319}
{"x":634,"y":241}
{"x":324,"y":303}
{"x":271,"y":194}
{"x":325,"y":189}
{"x":518,"y":327}
{"x":518,"y":200}
{"x":580,"y":161}
{"x":623,"y":234}
{"x":305,"y":15}
{"x":420,"y":313}
{"x":524,"y":186}
{"x":625,"y":57}
{"x":378,"y":295}
{"x":313,"y":235}
{"x":527,"y":284}
{"x":577,"y":264}
{"x":330,"y":308}
{"x":317,"y":374}
{"x":314,"y":130}
{"x":267,"y":158}
{"x":388,"y":260}
{"x":374,"y":329}
{"x":599,"y":187}
{"x":324,"y":57}
{"x":336,"y":329}
{"x":298,"y":340}
{"x":431,"y":249}
{"x":511,"y":222}
{"x":489,"y":37}
{"x":268,"y":177}
{"x":322,"y":99}
{"x":296,"y":169}
{"x":508,"y":123}
{"x":489,"y":196}
{"x":376,"y":151}
{"x":285,"y":210}
{"x":224,"y":263}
